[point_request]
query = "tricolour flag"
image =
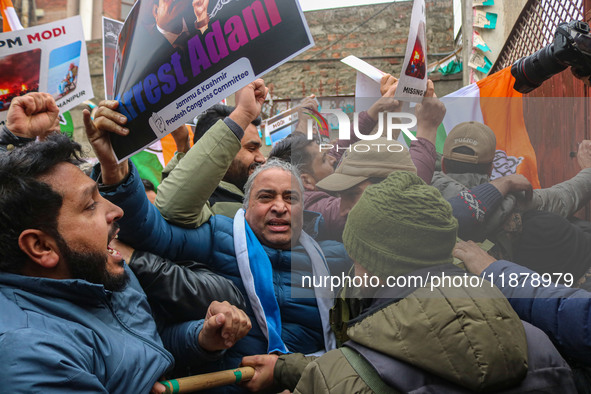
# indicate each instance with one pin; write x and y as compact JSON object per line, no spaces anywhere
{"x":151,"y":161}
{"x":494,"y":102}
{"x":10,"y":19}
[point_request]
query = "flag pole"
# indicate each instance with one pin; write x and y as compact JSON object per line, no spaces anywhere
{"x":208,"y":380}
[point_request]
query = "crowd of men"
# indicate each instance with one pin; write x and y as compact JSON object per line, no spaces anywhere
{"x":234,"y":263}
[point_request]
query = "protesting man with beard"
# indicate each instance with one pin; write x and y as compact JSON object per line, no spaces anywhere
{"x":265,"y":250}
{"x":75,"y":318}
{"x":196,"y":170}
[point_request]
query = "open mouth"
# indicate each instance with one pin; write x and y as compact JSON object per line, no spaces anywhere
{"x":113,"y":252}
{"x":113,"y":235}
{"x":278,"y":225}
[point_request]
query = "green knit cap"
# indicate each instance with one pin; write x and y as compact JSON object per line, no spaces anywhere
{"x":400,"y":225}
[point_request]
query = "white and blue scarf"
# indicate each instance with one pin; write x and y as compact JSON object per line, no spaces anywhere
{"x":257,"y":276}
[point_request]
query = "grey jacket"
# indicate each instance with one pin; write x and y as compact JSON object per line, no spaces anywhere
{"x":563,"y":199}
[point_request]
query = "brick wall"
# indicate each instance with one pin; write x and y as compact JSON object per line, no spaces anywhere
{"x":95,"y":62}
{"x":94,"y":49}
{"x":381,"y":41}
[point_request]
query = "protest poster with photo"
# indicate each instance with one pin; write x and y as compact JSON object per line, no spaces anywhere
{"x":176,"y":60}
{"x":280,"y":126}
{"x":111,"y":29}
{"x":48,"y":58}
{"x":413,"y":78}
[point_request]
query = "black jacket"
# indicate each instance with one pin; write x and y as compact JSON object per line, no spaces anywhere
{"x":9,"y":141}
{"x":181,"y":291}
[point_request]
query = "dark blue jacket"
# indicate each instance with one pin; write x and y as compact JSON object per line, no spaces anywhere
{"x":563,"y":313}
{"x":143,"y":227}
{"x":71,"y":336}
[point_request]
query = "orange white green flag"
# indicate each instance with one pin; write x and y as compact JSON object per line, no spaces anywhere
{"x":494,"y":102}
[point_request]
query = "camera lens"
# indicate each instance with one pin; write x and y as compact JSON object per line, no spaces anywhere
{"x":531,"y":71}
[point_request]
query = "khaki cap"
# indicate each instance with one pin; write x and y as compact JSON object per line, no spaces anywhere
{"x":474,"y":135}
{"x":368,"y":159}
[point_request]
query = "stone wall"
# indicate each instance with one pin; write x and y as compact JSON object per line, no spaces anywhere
{"x":375,"y":33}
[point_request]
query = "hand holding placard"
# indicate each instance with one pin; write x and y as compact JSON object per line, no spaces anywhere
{"x":107,"y":120}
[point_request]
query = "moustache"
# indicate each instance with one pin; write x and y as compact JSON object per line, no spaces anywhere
{"x":113,"y":231}
{"x":253,"y":166}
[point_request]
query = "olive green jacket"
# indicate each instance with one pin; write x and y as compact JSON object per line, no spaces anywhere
{"x":469,"y":336}
{"x":183,"y":194}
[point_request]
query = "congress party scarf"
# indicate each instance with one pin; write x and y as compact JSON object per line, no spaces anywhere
{"x":257,"y":276}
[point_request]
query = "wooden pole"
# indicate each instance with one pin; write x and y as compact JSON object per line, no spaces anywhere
{"x":467,"y":29}
{"x":208,"y":380}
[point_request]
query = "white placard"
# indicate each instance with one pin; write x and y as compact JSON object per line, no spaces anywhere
{"x":364,"y":67}
{"x":49,"y":58}
{"x":413,"y":78}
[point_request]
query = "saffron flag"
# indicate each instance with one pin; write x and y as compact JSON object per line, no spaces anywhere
{"x":494,"y":102}
{"x":10,"y":19}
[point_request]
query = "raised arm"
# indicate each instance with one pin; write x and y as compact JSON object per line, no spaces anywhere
{"x":368,"y":119}
{"x":182,"y":196}
{"x":107,"y":120}
{"x":30,"y":116}
{"x":142,"y":226}
{"x":430,"y":114}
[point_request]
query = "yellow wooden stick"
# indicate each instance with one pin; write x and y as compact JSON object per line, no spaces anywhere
{"x":208,"y":380}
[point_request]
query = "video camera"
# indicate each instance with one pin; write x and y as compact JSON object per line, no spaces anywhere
{"x":571,"y":47}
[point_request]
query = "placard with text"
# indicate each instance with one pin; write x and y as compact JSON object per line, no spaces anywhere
{"x":47,"y":58}
{"x":173,"y":64}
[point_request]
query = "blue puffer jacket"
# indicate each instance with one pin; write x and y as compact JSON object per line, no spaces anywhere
{"x":143,"y":227}
{"x":563,"y":313}
{"x":71,"y":336}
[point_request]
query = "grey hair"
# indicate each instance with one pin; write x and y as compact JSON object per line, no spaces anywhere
{"x":270,"y":164}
